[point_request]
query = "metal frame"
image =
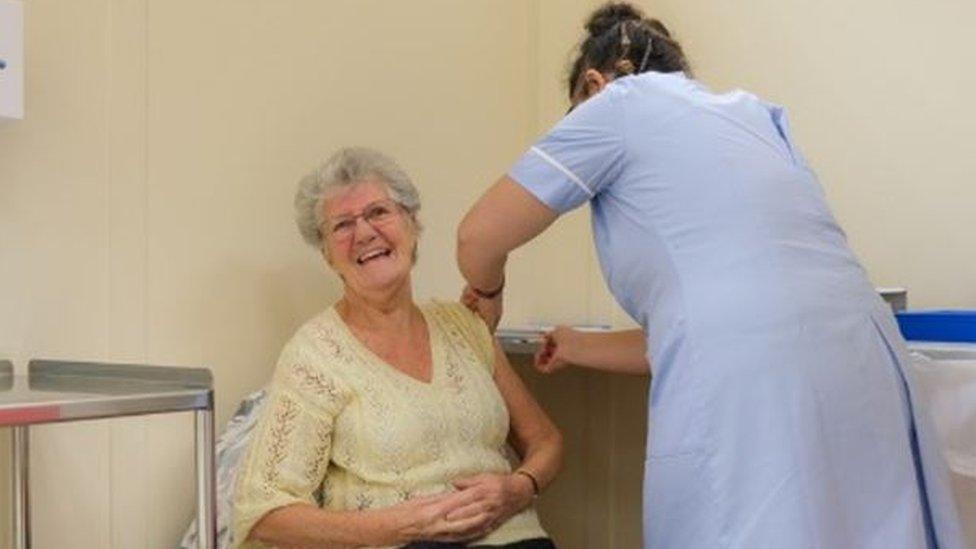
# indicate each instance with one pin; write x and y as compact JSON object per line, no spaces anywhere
{"x":59,"y":391}
{"x":520,"y":341}
{"x":20,"y":485}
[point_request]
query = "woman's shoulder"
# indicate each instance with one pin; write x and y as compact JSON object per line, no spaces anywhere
{"x":316,"y":348}
{"x":452,"y":313}
{"x":462,"y":325}
{"x":318,"y":329}
{"x":440,"y":306}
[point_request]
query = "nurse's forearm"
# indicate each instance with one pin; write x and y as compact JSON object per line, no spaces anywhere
{"x":481,"y":264}
{"x":481,"y":253}
{"x":622,"y":352}
{"x":506,"y":217}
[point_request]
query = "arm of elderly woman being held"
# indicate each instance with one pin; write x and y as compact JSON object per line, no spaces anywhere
{"x":537,"y":441}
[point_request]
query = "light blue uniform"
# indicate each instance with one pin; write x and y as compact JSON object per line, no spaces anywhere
{"x":780,"y":404}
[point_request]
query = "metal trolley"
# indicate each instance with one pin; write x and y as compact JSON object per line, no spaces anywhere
{"x":56,"y":391}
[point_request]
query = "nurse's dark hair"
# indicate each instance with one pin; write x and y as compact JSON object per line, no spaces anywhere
{"x":621,"y":40}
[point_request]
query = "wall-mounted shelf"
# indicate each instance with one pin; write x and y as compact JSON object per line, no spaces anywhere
{"x":519,"y":341}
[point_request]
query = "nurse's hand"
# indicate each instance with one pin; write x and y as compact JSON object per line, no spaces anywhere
{"x":490,"y":310}
{"x":619,"y":352}
{"x":558,"y":349}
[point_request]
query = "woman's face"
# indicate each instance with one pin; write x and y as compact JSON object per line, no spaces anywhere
{"x":368,"y":239}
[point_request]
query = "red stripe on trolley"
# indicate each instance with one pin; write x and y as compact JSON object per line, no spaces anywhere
{"x":26,"y":416}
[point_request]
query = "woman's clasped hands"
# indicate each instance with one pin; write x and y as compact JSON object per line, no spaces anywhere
{"x":479,"y":505}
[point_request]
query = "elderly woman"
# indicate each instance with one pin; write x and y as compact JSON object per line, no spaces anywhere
{"x":387,"y":421}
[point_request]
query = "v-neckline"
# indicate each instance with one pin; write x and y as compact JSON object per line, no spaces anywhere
{"x":384,"y":365}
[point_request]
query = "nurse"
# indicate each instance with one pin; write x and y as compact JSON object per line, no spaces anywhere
{"x":782,"y":405}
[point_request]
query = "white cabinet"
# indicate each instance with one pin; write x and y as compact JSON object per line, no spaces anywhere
{"x":11,"y":59}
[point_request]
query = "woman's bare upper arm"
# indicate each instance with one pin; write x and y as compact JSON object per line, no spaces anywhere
{"x":529,"y":421}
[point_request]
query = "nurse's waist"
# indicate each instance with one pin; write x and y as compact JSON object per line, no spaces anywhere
{"x":774,"y":292}
{"x":731,"y":315}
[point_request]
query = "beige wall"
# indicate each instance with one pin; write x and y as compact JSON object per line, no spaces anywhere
{"x":145,"y":199}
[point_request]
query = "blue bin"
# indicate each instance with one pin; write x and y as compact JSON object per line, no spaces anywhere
{"x":948,"y":325}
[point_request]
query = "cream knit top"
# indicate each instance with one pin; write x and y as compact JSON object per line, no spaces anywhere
{"x":345,"y":430}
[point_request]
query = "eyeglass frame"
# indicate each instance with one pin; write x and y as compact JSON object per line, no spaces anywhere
{"x":331,"y":227}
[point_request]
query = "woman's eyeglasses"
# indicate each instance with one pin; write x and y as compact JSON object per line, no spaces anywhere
{"x":376,"y":214}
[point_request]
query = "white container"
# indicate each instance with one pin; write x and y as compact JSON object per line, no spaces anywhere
{"x":11,"y":59}
{"x":946,"y":376}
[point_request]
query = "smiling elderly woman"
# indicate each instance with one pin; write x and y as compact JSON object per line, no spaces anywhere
{"x":387,"y":421}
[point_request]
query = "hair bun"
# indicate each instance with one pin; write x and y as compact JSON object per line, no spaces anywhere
{"x":659,"y":27}
{"x":610,"y":14}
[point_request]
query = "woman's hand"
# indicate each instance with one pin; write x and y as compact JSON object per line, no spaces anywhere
{"x":496,"y":497}
{"x":490,"y":310}
{"x":435,"y":518}
{"x":558,"y":349}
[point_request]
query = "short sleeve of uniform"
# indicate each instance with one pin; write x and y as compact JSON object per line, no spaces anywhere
{"x":286,"y":461}
{"x":578,"y":158}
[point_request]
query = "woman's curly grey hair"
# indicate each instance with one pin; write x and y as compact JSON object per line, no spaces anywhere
{"x":345,"y":168}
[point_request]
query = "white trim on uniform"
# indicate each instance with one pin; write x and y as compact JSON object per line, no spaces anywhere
{"x":555,"y":164}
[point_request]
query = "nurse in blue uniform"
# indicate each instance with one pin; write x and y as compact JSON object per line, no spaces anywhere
{"x":781,"y":409}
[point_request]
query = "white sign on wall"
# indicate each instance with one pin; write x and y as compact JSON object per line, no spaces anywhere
{"x":11,"y":59}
